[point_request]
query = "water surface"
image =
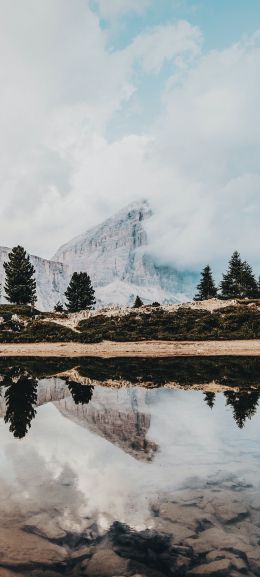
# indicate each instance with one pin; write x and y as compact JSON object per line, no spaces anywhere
{"x":126,"y":467}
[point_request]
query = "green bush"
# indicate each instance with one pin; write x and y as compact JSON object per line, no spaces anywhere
{"x":20,"y":310}
{"x":185,"y":324}
{"x":38,"y":331}
{"x":237,"y":322}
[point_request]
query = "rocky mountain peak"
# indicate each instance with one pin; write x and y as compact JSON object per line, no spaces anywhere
{"x":116,"y":256}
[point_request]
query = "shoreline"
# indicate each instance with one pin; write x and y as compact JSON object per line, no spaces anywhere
{"x":107,"y":349}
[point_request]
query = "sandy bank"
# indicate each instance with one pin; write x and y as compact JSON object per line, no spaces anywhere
{"x":133,"y":349}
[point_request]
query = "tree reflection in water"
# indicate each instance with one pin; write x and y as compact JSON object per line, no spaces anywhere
{"x":20,"y":393}
{"x":21,"y":398}
{"x":19,"y":389}
{"x":244,"y":405}
{"x":210,"y":399}
{"x":81,"y":394}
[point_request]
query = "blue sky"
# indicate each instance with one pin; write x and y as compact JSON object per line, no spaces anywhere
{"x":106,"y":102}
{"x":222,"y":21}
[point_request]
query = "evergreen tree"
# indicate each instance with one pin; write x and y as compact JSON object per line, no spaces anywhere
{"x":80,"y":293}
{"x":21,"y":397}
{"x":81,"y":394}
{"x":206,"y":287}
{"x":250,"y":285}
{"x":20,"y":284}
{"x":210,"y":399}
{"x":239,"y":281}
{"x":58,"y":308}
{"x":138,"y":303}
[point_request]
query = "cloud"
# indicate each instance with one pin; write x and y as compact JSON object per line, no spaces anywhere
{"x":195,"y":158}
{"x":111,"y":9}
{"x":207,"y":143}
{"x":165,"y":43}
{"x":61,"y":86}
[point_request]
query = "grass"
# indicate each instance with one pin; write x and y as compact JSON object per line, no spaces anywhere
{"x":185,"y":324}
{"x":232,"y":323}
{"x":37,"y":332}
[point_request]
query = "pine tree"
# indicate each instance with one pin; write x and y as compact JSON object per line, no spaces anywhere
{"x":20,"y":284}
{"x":206,"y":287}
{"x":250,"y":285}
{"x":138,"y":303}
{"x":239,"y":280}
{"x":21,"y":398}
{"x":58,"y":308}
{"x":80,"y":293}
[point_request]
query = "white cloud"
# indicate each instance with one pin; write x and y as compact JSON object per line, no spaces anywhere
{"x":209,"y":136}
{"x":165,"y":43}
{"x":111,"y":9}
{"x":60,"y":88}
{"x":59,"y":174}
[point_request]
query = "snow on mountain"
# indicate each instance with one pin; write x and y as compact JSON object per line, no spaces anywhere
{"x":116,"y":256}
{"x":51,"y":278}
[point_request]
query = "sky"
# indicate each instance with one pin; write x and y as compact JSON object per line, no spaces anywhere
{"x":105,"y":102}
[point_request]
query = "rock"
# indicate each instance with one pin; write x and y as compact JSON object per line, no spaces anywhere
{"x":115,"y":256}
{"x":213,"y":539}
{"x":178,"y":531}
{"x":219,"y":568}
{"x":44,"y":525}
{"x":181,"y":563}
{"x":232,"y":512}
{"x":237,"y":562}
{"x":105,"y":563}
{"x":189,"y":517}
{"x":32,"y":549}
{"x":7,"y":573}
{"x":44,"y":573}
{"x":85,"y":551}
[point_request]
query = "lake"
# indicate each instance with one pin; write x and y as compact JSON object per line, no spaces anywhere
{"x":130,"y":467}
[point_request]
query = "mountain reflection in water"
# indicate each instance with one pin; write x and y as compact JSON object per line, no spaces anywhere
{"x":154,"y":472}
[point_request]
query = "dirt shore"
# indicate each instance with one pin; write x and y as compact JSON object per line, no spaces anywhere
{"x":133,"y":349}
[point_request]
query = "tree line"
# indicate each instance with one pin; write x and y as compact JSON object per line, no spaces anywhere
{"x":20,"y":284}
{"x":238,"y":282}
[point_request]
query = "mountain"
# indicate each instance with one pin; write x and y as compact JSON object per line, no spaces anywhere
{"x":116,"y":256}
{"x":51,"y":278}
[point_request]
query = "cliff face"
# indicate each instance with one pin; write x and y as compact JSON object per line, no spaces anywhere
{"x":116,"y":256}
{"x":51,"y":278}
